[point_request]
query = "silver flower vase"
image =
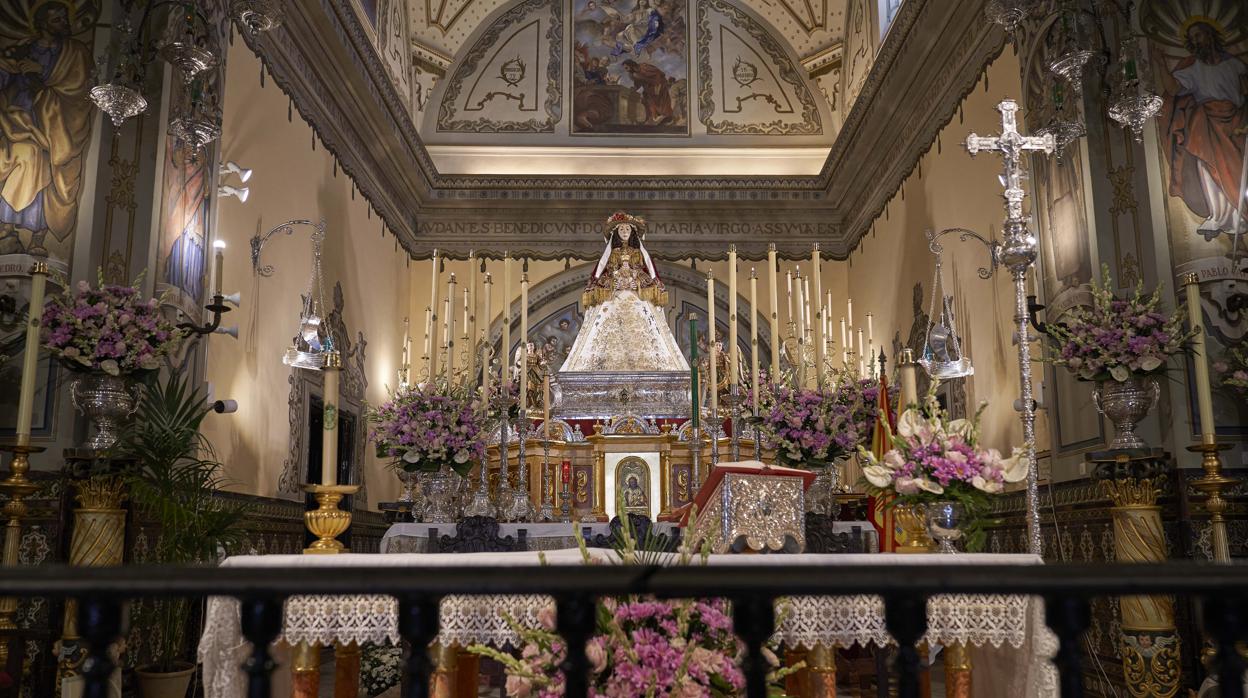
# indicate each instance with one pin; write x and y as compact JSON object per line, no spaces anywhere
{"x":107,"y":402}
{"x":1126,"y":403}
{"x":944,"y":523}
{"x":440,"y":495}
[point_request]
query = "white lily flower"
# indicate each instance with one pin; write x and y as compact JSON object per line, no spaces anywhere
{"x":411,"y":457}
{"x":929,"y":486}
{"x":1014,"y":468}
{"x":985,"y":485}
{"x":1149,"y":363}
{"x":1120,"y":373}
{"x":961,"y":427}
{"x":878,"y":476}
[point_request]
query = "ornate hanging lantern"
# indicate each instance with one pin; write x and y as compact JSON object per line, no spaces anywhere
{"x":1009,"y":13}
{"x":312,"y":341}
{"x":257,"y":15}
{"x":1073,"y":47}
{"x":942,"y":351}
{"x":1133,"y":101}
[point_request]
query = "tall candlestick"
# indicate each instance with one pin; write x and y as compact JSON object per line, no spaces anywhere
{"x":432,"y":326}
{"x":789,"y":300}
{"x":489,"y":288}
{"x":524,"y":348}
{"x":470,"y":356}
{"x":471,"y":325}
{"x":450,"y":330}
{"x":772,"y":272}
{"x":816,"y":270}
{"x":712,"y":354}
{"x":505,"y":371}
{"x":219,"y":246}
{"x":329,"y":420}
{"x":1204,"y":394}
{"x":754,"y":337}
{"x":734,"y":357}
{"x":30,"y":359}
{"x":800,"y":368}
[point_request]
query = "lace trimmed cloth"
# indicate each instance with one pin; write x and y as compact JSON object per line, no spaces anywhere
{"x":999,"y":624}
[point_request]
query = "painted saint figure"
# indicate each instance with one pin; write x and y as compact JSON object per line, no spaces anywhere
{"x":45,"y":124}
{"x":1206,"y":126}
{"x":643,"y":26}
{"x":655,"y":90}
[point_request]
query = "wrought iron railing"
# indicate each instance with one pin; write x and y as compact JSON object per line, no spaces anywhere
{"x":1065,"y":589}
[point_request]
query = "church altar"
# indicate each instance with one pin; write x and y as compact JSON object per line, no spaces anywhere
{"x":1006,"y":634}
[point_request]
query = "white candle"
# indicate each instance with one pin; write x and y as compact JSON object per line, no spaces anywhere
{"x":546,"y":405}
{"x":844,"y":342}
{"x":489,"y":286}
{"x":800,"y":368}
{"x":788,"y":280}
{"x":711,"y":354}
{"x":450,"y":329}
{"x":485,"y":357}
{"x":733,"y":357}
{"x":821,"y":330}
{"x":524,"y":346}
{"x":754,"y":336}
{"x":807,"y":301}
{"x":428,"y":319}
{"x":849,"y":312}
{"x":30,"y":359}
{"x":505,"y":367}
{"x":772,"y":273}
{"x":219,"y":246}
{"x":329,"y":430}
{"x":870,"y":328}
{"x":470,"y":327}
{"x":909,"y":380}
{"x":432,"y":327}
{"x":860,"y":345}
{"x":1204,"y":394}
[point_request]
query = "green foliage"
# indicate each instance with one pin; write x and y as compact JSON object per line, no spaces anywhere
{"x":173,"y":481}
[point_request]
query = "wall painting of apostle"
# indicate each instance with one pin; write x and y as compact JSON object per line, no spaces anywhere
{"x":1199,"y":55}
{"x":630,"y":72}
{"x":45,"y":123}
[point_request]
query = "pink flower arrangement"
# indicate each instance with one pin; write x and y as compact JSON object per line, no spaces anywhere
{"x":935,"y":459}
{"x":109,"y":329}
{"x":808,"y":426}
{"x":1118,"y":338}
{"x":426,"y":426}
{"x":642,"y":647}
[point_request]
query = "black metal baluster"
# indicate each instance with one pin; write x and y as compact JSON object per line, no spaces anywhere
{"x":1224,"y":623}
{"x":906,"y":620}
{"x":754,"y":620}
{"x":1068,"y":616}
{"x":418,"y":624}
{"x":574,"y":619}
{"x":99,"y":621}
{"x":261,"y":621}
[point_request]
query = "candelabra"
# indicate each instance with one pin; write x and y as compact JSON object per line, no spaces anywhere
{"x":1017,"y":253}
{"x":547,"y":512}
{"x":218,"y":308}
{"x":17,"y":487}
{"x":734,"y":404}
{"x":503,"y":495}
{"x":480,"y":504}
{"x":521,"y":508}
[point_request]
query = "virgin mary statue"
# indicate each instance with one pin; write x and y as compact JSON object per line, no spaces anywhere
{"x":624,"y":265}
{"x":625,"y":328}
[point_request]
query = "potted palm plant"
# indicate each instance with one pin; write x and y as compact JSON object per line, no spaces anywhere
{"x":173,"y":481}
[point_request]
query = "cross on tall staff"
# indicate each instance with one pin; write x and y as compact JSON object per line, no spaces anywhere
{"x":1018,"y":252}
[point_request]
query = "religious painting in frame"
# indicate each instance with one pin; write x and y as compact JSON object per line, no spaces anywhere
{"x":630,"y":67}
{"x":632,"y":486}
{"x":1198,"y":51}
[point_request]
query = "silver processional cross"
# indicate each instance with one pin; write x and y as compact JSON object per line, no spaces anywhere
{"x":1018,"y":252}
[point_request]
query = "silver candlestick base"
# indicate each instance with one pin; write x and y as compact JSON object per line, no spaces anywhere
{"x":480,"y":504}
{"x":503,"y":495}
{"x":521,"y":507}
{"x":734,"y":403}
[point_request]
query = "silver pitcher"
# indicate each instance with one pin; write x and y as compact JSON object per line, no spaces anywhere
{"x":1126,"y":403}
{"x":107,"y":402}
{"x":440,"y":495}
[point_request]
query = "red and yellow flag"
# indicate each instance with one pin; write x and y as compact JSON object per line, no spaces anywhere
{"x":877,"y":510}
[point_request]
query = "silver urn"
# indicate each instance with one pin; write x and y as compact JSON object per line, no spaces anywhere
{"x":440,"y":490}
{"x":944,"y":523}
{"x":1126,"y":404}
{"x":107,"y":402}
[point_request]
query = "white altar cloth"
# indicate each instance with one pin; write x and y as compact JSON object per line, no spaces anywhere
{"x":1008,"y":631}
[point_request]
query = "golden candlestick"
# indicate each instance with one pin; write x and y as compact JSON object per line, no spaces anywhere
{"x":327,"y":522}
{"x":17,"y":487}
{"x":1212,"y":485}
